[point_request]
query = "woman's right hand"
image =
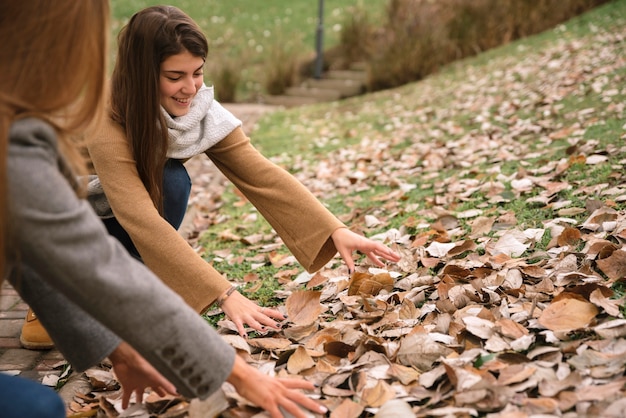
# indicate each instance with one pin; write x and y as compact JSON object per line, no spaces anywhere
{"x":273,"y":394}
{"x":135,"y":374}
{"x":242,"y":311}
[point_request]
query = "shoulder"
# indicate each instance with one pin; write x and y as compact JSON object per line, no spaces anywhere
{"x":32,"y":130}
{"x":106,"y":131}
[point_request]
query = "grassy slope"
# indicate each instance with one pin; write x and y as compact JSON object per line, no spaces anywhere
{"x":463,"y":97}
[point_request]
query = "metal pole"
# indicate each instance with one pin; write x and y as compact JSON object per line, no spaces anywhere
{"x":319,"y":41}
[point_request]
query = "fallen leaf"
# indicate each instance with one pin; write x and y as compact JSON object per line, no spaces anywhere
{"x":303,"y":307}
{"x":568,"y":313}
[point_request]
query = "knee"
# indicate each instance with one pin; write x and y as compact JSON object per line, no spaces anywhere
{"x":176,"y":179}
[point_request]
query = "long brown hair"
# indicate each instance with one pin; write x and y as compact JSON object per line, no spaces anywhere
{"x":52,"y":67}
{"x":151,"y":36}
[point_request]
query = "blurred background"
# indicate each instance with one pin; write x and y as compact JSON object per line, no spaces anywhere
{"x":259,"y":49}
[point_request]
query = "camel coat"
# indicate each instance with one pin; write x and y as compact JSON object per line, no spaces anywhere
{"x":302,"y":222}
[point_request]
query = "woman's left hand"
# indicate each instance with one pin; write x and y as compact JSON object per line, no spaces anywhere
{"x":347,"y":242}
{"x":242,"y":311}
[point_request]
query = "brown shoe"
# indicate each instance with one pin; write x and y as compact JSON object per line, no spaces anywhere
{"x":34,"y":336}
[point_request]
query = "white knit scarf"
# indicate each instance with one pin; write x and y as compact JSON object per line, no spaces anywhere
{"x":206,"y":124}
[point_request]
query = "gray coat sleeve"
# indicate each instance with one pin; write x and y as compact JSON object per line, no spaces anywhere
{"x":66,"y":323}
{"x":60,"y":238}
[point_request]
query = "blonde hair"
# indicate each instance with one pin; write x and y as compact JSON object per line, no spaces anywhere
{"x":52,"y":67}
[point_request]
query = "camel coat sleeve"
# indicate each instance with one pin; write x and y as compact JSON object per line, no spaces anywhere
{"x":302,"y":222}
{"x":161,"y":247}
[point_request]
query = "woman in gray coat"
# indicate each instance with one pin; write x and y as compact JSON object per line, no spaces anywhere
{"x":53,"y":248}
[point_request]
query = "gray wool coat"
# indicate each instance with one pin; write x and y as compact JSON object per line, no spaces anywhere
{"x":87,"y":291}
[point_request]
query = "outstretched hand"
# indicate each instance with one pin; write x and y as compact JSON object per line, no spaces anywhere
{"x":273,"y":394}
{"x":135,"y":374}
{"x":242,"y":311}
{"x":347,"y":242}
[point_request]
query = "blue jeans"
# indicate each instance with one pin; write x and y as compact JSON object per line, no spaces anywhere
{"x":20,"y":397}
{"x":176,"y":190}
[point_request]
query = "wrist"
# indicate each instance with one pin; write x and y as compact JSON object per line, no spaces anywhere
{"x":222,"y":298}
{"x":123,"y":353}
{"x":239,"y":373}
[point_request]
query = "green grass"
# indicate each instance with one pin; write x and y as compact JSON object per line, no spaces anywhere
{"x":246,"y":31}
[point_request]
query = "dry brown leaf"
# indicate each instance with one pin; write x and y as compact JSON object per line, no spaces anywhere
{"x":612,"y":329}
{"x":601,"y":391}
{"x":552,"y":387}
{"x":299,"y":361}
{"x":250,"y":277}
{"x":395,"y":408}
{"x":568,"y":313}
{"x":369,"y":284}
{"x":481,"y":328}
{"x":405,"y":375}
{"x":515,"y":373}
{"x":463,"y":378}
{"x":347,"y":409}
{"x":510,"y":328}
{"x":377,"y":395}
{"x":601,"y":300}
{"x":279,"y":260}
{"x":298,"y":332}
{"x":569,"y":236}
{"x":324,"y":366}
{"x":270,"y":343}
{"x":338,"y":349}
{"x":317,"y":280}
{"x":408,"y":310}
{"x":540,"y":405}
{"x":421,"y":351}
{"x":102,"y":379}
{"x":303,"y":307}
{"x":614,"y":266}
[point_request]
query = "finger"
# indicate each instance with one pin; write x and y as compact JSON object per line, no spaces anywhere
{"x":297,"y":383}
{"x":346,"y":254}
{"x":375,"y":260}
{"x":240,"y":328}
{"x":301,"y":400}
{"x":274,"y":411}
{"x":169,"y":387}
{"x":125,"y":398}
{"x":273,"y":313}
{"x":139,"y":396}
{"x":291,"y":409}
{"x":254,"y":324}
{"x":389,"y":253}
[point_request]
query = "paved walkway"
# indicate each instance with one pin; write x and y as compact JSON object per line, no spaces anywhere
{"x":13,"y":358}
{"x":45,"y":365}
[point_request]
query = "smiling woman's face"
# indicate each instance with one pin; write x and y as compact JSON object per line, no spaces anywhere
{"x":180,"y":79}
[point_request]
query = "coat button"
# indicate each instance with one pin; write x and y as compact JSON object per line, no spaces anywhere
{"x":168,"y":352}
